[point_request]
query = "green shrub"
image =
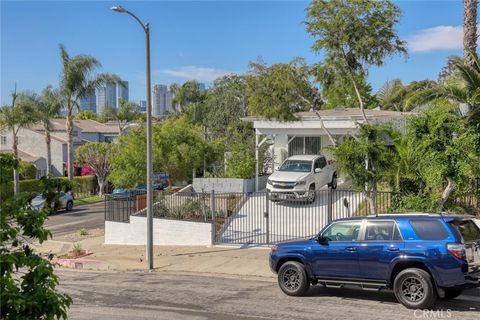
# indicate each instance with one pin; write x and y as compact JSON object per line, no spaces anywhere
{"x":82,"y":186}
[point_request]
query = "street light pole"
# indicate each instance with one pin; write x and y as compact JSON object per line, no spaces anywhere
{"x":146,"y":28}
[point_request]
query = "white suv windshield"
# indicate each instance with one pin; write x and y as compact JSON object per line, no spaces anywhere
{"x":296,"y":166}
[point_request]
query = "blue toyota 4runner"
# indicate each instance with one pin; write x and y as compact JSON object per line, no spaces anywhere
{"x":420,"y":256}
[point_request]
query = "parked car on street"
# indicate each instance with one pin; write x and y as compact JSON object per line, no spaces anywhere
{"x":122,"y":192}
{"x":421,"y":257}
{"x":66,"y":201}
{"x":299,"y":176}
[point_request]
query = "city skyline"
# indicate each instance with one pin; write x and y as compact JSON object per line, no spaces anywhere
{"x":30,"y":35}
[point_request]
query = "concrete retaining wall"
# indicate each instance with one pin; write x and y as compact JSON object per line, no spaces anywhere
{"x":165,"y":232}
{"x":226,"y":185}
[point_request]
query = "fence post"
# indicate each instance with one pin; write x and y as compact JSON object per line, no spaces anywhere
{"x":267,"y":217}
{"x":212,"y":209}
{"x":330,"y":204}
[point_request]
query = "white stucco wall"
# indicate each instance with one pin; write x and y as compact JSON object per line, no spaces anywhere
{"x":165,"y":232}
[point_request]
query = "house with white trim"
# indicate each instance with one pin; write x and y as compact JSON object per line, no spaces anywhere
{"x":306,"y":135}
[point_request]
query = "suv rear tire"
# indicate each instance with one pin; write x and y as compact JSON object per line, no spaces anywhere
{"x":452,"y":293}
{"x":293,"y":279}
{"x":414,"y":289}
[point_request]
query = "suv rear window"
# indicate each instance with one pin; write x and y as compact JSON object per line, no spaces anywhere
{"x":467,"y":229}
{"x":429,"y":229}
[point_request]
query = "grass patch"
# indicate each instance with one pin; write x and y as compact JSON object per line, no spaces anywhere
{"x":87,"y":200}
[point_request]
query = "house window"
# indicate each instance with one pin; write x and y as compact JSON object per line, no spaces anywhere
{"x":3,"y":140}
{"x":304,"y":145}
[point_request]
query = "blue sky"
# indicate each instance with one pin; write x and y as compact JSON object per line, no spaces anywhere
{"x":199,"y":39}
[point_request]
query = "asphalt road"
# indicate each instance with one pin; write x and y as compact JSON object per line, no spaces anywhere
{"x":165,"y":296}
{"x":88,"y":216}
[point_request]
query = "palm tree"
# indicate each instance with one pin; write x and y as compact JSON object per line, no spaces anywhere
{"x":394,"y":95}
{"x":14,"y":117}
{"x":48,"y":107}
{"x":462,"y":87}
{"x":469,"y":30}
{"x":77,"y":81}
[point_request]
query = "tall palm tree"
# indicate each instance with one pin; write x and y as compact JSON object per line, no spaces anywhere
{"x":469,"y":30}
{"x":18,"y":115}
{"x":48,"y":106}
{"x":76,"y":82}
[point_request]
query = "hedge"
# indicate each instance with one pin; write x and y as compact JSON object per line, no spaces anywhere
{"x":82,"y":186}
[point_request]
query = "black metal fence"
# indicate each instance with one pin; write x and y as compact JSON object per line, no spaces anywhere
{"x":251,"y":218}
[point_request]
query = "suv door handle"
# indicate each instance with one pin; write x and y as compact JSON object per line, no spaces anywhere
{"x":351,"y":249}
{"x":393,"y":249}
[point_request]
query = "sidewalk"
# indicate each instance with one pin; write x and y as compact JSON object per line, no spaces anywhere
{"x":234,"y":261}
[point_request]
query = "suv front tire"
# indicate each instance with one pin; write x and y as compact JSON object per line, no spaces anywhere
{"x":414,"y":289}
{"x":292,"y":279}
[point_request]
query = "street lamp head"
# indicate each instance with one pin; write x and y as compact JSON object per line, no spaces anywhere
{"x":119,"y":9}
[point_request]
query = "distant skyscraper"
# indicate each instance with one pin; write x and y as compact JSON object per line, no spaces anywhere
{"x":109,"y":95}
{"x":122,"y":92}
{"x":201,"y":86}
{"x":162,"y":100}
{"x":89,"y":102}
{"x":143,"y":105}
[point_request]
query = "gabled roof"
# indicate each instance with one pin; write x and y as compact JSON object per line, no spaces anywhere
{"x":24,"y":156}
{"x":87,"y":126}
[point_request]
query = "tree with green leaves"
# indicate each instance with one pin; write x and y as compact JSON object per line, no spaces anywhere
{"x":353,"y":35}
{"x":178,"y":148}
{"x":48,"y":107}
{"x":225,"y":104}
{"x":186,"y":94}
{"x":366,"y":175}
{"x":394,"y":95}
{"x":76,"y":82}
{"x":463,"y":87}
{"x":18,"y":115}
{"x":88,"y":115}
{"x":126,"y":113}
{"x":97,"y":156}
{"x":27,"y":279}
{"x":444,"y":150}
{"x":280,"y":90}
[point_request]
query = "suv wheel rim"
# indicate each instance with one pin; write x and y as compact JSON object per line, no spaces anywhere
{"x":311,"y":195}
{"x":291,"y":279}
{"x":413,"y":289}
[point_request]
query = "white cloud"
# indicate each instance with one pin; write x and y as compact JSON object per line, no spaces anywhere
{"x":437,"y":38}
{"x":196,"y":73}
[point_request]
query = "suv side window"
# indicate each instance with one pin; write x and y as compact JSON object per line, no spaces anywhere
{"x":429,"y":229}
{"x":382,"y":231}
{"x":343,"y":231}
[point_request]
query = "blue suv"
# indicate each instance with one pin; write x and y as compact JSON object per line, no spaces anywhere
{"x":420,"y":256}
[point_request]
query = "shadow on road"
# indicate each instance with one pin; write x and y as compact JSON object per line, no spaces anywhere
{"x":463,"y":303}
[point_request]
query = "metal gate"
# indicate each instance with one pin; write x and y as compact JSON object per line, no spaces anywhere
{"x":254,"y":218}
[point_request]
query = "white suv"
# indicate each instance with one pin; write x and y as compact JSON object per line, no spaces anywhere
{"x":299,"y":176}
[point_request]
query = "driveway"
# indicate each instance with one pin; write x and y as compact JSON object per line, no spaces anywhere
{"x":160,"y":295}
{"x":286,"y":220}
{"x":88,"y":216}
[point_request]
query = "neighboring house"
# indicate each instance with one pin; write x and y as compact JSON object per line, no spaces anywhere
{"x":40,"y":163}
{"x":32,"y":147}
{"x":306,"y":136}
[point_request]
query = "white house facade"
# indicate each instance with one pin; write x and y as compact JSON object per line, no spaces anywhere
{"x":306,"y":134}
